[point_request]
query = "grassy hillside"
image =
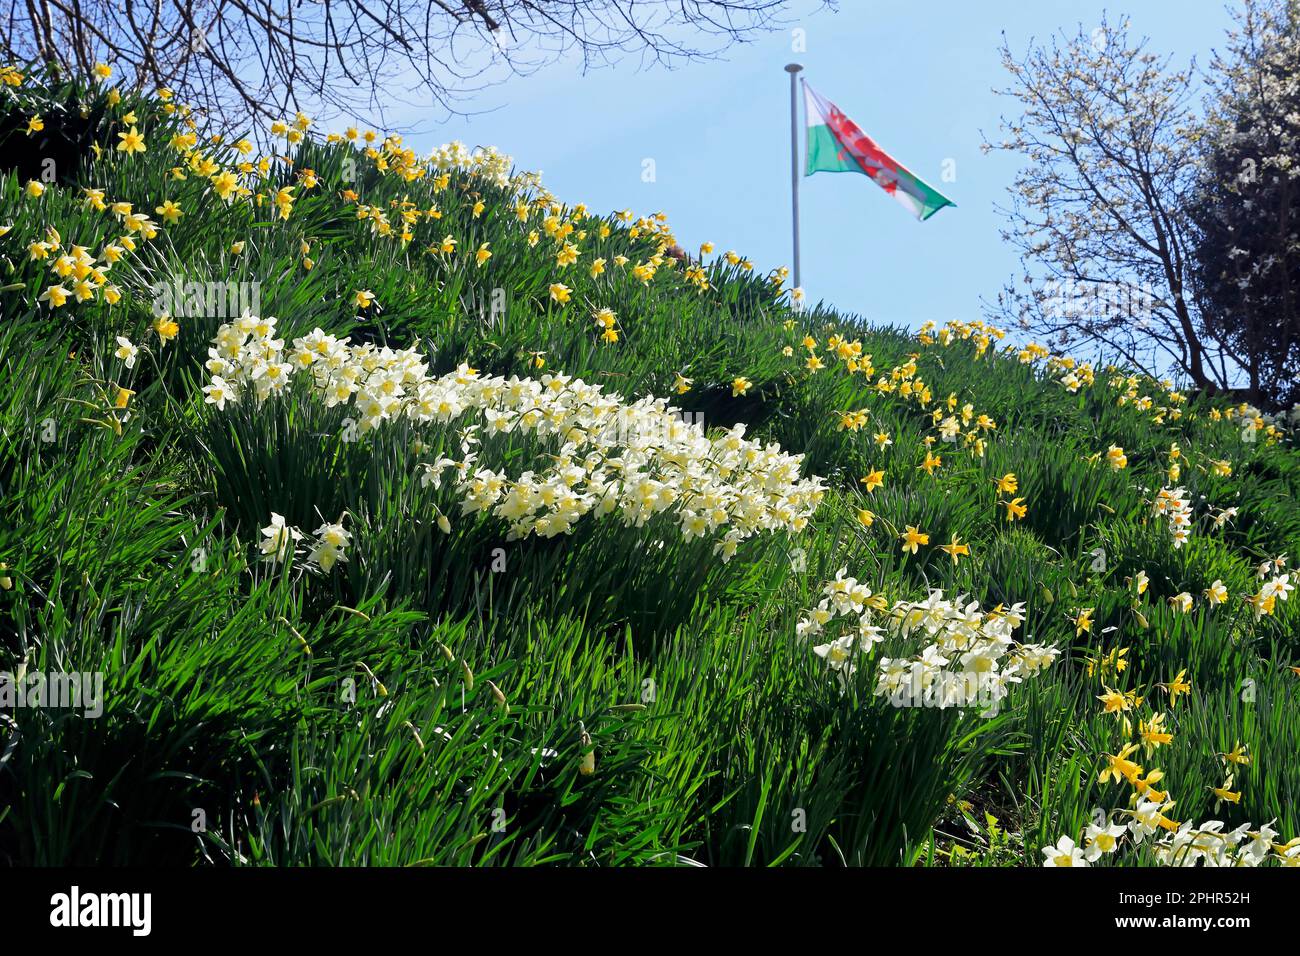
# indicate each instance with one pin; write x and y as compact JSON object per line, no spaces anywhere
{"x":502,"y":531}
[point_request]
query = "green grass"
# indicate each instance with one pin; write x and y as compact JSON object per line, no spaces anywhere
{"x":615,"y":695}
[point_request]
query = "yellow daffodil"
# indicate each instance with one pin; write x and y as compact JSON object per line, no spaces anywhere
{"x":166,"y":327}
{"x":955,"y":549}
{"x":170,"y":212}
{"x":1225,"y":794}
{"x":131,"y":141}
{"x":1083,"y":621}
{"x":912,"y":539}
{"x":1176,"y":687}
{"x":1153,"y":733}
{"x":1114,"y":701}
{"x":1119,"y":767}
{"x":1237,"y":755}
{"x":55,"y":295}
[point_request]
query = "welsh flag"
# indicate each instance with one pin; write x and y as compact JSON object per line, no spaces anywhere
{"x":837,"y":145}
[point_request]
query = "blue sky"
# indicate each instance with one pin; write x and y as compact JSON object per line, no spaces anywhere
{"x":917,"y":77}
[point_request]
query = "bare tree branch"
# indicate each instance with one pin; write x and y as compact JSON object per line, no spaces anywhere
{"x":240,"y":60}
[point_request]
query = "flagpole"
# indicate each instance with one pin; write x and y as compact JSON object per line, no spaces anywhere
{"x":793,"y":69}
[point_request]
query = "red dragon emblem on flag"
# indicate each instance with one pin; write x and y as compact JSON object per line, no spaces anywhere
{"x":862,"y":150}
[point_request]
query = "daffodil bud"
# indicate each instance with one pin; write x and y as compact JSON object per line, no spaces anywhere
{"x":380,"y":689}
{"x":587,"y":763}
{"x":302,"y":641}
{"x":414,"y":733}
